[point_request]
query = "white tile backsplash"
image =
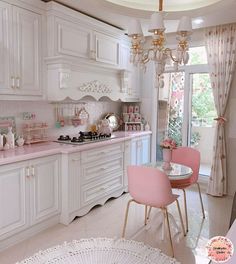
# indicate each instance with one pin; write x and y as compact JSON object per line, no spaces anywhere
{"x":45,"y":112}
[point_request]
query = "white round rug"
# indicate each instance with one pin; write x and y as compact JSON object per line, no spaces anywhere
{"x":100,"y":251}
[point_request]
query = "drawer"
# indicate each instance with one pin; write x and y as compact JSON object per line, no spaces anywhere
{"x":92,"y":192}
{"x":102,"y":168}
{"x":102,"y":152}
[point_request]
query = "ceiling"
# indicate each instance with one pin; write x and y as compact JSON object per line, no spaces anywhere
{"x":211,"y":12}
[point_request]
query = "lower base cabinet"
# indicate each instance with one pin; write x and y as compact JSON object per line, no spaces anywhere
{"x":29,"y":194}
{"x":39,"y":193}
{"x":90,"y":178}
{"x":137,"y":152}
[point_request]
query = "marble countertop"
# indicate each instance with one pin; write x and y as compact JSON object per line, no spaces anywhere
{"x":50,"y":148}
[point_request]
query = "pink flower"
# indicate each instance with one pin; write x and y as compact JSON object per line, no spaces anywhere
{"x":168,"y":143}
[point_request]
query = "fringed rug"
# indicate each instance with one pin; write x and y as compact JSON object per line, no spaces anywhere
{"x":100,"y":251}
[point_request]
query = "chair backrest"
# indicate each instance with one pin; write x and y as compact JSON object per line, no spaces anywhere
{"x":149,"y":186}
{"x":189,"y":157}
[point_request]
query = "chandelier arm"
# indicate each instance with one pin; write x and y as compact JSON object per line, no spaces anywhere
{"x":146,"y":56}
{"x":171,"y":55}
{"x":160,"y":5}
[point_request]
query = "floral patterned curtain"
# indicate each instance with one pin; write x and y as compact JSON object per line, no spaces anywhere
{"x":221,"y":53}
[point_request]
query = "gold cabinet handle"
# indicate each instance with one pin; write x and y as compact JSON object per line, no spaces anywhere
{"x":18,"y":82}
{"x":27,"y":172}
{"x":12,"y":82}
{"x":33,"y":171}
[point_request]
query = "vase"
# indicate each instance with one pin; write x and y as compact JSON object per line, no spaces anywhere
{"x":167,"y":155}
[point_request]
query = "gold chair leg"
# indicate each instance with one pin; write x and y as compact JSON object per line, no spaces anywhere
{"x":199,"y":191}
{"x":168,"y":225}
{"x":185,"y":210}
{"x":145,"y":220}
{"x":149,"y":212}
{"x":180,"y":216}
{"x":126,"y":216}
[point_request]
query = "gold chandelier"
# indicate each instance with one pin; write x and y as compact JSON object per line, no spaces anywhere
{"x":158,"y":53}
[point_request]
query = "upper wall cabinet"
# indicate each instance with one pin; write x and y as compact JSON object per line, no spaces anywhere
{"x":21,"y":47}
{"x":107,"y":49}
{"x":86,"y":57}
{"x":70,"y":39}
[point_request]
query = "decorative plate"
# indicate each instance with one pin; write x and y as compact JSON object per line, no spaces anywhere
{"x":113,"y":121}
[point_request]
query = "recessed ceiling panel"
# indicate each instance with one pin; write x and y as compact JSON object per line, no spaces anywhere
{"x":168,"y":5}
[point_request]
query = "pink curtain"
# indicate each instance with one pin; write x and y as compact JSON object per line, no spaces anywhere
{"x":221,"y":53}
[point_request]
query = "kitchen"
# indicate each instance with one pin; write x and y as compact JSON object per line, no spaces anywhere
{"x":66,"y":71}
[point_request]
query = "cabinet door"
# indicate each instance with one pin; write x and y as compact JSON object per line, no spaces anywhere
{"x":13,"y":197}
{"x":127,"y":162}
{"x":73,"y":40}
{"x":44,"y":192}
{"x":74,"y":182}
{"x":5,"y":49}
{"x":125,"y":57}
{"x":133,"y":160}
{"x":107,"y":49}
{"x":145,"y":149}
{"x":27,"y":51}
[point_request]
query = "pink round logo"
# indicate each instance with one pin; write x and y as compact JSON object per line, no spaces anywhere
{"x":220,"y":249}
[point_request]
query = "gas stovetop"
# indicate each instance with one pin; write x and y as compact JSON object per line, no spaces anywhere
{"x":83,"y":138}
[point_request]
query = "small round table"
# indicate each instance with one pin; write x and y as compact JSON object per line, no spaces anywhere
{"x":177,"y":171}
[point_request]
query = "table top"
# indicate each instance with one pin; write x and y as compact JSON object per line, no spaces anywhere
{"x":177,"y":171}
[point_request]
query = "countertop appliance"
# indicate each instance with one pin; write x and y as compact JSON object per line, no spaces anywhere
{"x":83,"y":138}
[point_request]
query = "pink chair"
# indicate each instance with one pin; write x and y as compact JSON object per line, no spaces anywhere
{"x":189,"y":157}
{"x":151,"y":187}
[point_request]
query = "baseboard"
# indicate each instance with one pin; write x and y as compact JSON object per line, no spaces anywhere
{"x":27,"y":233}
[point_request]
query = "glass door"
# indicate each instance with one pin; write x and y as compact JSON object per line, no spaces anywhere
{"x":201,"y":120}
{"x":171,"y":109}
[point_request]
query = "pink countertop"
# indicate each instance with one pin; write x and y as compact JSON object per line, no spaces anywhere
{"x":50,"y":148}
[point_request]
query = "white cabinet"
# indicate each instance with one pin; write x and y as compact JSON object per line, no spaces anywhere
{"x":86,"y":57}
{"x":107,"y":49}
{"x":14,"y":199}
{"x":29,"y":194}
{"x":101,"y":174}
{"x":27,"y":52}
{"x":44,"y":192}
{"x":20,"y":65}
{"x":137,"y":152}
{"x":70,"y":39}
{"x":125,"y":57}
{"x":89,"y":178}
{"x":5,"y":49}
{"x":77,"y":39}
{"x":140,"y":150}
